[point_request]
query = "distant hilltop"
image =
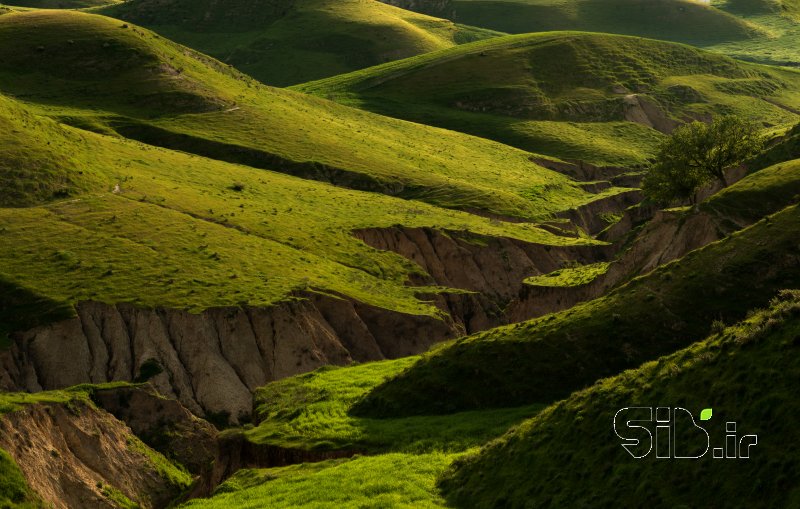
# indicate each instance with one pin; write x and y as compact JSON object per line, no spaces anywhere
{"x":438,"y":8}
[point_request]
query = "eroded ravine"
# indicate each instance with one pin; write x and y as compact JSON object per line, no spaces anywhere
{"x":212,"y":361}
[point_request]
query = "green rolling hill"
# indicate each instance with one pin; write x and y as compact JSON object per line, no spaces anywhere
{"x":117,"y":221}
{"x":284,"y":42}
{"x":764,"y":31}
{"x":745,"y":373}
{"x":546,"y":359}
{"x":150,"y":89}
{"x":621,"y":92}
{"x":732,"y":371}
{"x":38,"y":161}
{"x":673,"y":20}
{"x":218,"y":293}
{"x":780,"y":23}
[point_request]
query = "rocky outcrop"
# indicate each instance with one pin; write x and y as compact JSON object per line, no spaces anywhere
{"x":75,"y":455}
{"x":437,"y":8}
{"x":212,"y":361}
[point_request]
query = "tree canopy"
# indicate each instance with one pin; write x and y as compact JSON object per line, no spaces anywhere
{"x":698,"y":153}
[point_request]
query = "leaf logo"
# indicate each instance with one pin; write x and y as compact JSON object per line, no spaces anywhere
{"x":706,"y":414}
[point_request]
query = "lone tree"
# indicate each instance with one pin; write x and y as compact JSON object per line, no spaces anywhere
{"x":697,"y":153}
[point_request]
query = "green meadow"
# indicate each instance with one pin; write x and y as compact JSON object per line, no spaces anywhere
{"x":161,"y":93}
{"x":513,"y":89}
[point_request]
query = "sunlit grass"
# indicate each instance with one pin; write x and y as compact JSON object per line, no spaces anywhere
{"x":513,"y":89}
{"x":390,"y":480}
{"x":311,"y":412}
{"x":149,"y":88}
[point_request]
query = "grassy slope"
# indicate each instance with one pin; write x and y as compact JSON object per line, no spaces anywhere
{"x":758,"y":194}
{"x":568,"y":454}
{"x":779,"y":20}
{"x":283,"y":42}
{"x":14,"y":490}
{"x":391,"y":480}
{"x":37,"y":162}
{"x":513,"y":89}
{"x":672,"y":20}
{"x":765,"y":31}
{"x":311,"y":412}
{"x":783,"y":148}
{"x":179,"y":234}
{"x":109,"y":74}
{"x":547,"y":358}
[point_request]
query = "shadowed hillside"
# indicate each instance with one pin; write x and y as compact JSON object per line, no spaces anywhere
{"x":284,"y":42}
{"x":547,"y":358}
{"x":745,"y":374}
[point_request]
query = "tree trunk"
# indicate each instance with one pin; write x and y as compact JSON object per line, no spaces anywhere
{"x":721,"y":178}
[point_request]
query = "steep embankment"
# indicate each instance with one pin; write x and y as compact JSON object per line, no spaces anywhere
{"x":642,"y":240}
{"x":211,"y":362}
{"x":494,"y":268}
{"x":547,"y":358}
{"x":620,"y":94}
{"x":646,"y":239}
{"x":569,"y":454}
{"x":284,"y":42}
{"x":673,"y":233}
{"x":162,"y":423}
{"x":72,"y":454}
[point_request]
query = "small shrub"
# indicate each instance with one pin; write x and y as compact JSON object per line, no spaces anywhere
{"x":149,"y":369}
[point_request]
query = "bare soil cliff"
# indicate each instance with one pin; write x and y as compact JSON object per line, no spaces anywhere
{"x":75,"y":455}
{"x":163,"y":424}
{"x":212,"y":361}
